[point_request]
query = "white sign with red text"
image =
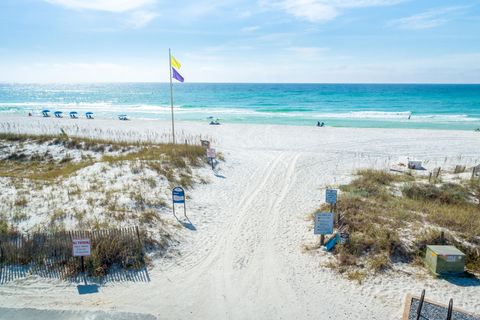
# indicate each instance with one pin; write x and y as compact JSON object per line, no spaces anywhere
{"x":81,"y":247}
{"x":211,"y":153}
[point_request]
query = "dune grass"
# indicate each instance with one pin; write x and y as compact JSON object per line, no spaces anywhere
{"x":43,"y":167}
{"x":392,"y":217}
{"x":39,"y":170}
{"x":146,"y":164}
{"x":101,"y":203}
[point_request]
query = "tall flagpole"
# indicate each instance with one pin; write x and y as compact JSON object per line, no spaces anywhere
{"x":171,"y":94}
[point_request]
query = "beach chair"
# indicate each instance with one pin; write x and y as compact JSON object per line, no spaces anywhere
{"x":46,"y":113}
{"x":89,"y":115}
{"x":122,"y":117}
{"x":58,"y":114}
{"x":74,"y":115}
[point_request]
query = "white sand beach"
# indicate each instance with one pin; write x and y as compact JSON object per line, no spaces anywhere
{"x":244,"y":260}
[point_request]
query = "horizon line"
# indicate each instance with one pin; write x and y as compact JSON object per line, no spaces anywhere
{"x":240,"y":82}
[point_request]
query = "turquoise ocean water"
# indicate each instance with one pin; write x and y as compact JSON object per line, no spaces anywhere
{"x":340,"y":105}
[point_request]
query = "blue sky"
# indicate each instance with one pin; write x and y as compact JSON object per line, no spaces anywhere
{"x":240,"y":41}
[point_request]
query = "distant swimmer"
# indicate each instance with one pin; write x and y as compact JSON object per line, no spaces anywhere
{"x":409,"y":116}
{"x":320,"y":124}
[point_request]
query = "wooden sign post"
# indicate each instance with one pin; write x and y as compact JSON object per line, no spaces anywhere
{"x":475,"y":171}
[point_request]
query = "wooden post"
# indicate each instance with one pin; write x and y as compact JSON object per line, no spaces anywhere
{"x":450,"y":310}
{"x":420,"y":305}
{"x":322,"y":239}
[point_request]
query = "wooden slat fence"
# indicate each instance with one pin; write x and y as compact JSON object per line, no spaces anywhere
{"x":50,"y":254}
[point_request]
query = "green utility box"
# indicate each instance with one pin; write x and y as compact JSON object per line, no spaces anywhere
{"x":443,"y":260}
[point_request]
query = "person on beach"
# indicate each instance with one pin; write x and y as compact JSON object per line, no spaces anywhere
{"x":320,"y":124}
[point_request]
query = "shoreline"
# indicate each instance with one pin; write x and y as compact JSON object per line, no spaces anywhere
{"x":204,"y":123}
{"x":351,"y":123}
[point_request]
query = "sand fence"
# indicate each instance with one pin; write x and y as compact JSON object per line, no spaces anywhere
{"x":116,"y":255}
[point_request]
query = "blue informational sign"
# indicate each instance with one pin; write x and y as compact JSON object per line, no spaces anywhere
{"x":178,"y":195}
{"x":323,"y":223}
{"x":331,"y":196}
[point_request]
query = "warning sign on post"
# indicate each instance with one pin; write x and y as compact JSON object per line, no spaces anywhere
{"x":211,"y":153}
{"x":81,"y":247}
{"x":323,"y":223}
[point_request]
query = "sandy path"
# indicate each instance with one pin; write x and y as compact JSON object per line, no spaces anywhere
{"x":245,"y":259}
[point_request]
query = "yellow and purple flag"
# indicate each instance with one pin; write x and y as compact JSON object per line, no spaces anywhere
{"x":175,"y":64}
{"x":176,"y":75}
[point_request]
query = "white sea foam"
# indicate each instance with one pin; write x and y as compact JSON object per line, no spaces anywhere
{"x":110,"y":107}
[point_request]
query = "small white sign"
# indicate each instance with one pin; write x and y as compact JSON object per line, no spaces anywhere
{"x":331,"y":196}
{"x":451,"y":258}
{"x":211,"y":153}
{"x":178,"y":198}
{"x":81,"y":247}
{"x":323,"y":223}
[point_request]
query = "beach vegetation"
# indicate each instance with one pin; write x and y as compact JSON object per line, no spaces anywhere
{"x":94,"y":184}
{"x":21,"y":201}
{"x":4,"y":226}
{"x":356,"y":275}
{"x":19,"y":216}
{"x":391,"y":217}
